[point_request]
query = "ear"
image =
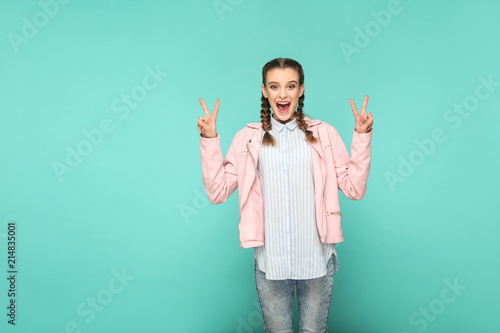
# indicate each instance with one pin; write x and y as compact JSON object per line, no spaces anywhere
{"x":264,"y":91}
{"x":301,"y":90}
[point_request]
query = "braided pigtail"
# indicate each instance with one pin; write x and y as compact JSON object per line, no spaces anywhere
{"x":265,"y":115}
{"x":301,"y":122}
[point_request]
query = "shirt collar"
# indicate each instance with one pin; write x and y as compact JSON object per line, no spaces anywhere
{"x":279,"y":126}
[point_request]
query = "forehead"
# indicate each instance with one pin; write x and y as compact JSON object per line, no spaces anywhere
{"x":282,"y":75}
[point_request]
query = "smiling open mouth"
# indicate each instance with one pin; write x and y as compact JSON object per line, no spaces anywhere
{"x":283,"y":106}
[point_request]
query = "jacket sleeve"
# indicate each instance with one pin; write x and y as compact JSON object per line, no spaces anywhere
{"x":219,"y":175}
{"x":352,"y":172}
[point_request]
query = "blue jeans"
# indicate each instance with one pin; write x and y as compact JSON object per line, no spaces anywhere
{"x":276,"y":299}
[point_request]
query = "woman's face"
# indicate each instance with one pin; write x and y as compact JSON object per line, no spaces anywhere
{"x":283,"y":92}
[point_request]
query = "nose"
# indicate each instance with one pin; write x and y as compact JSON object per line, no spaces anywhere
{"x":283,"y":92}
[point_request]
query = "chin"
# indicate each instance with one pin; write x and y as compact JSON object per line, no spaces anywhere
{"x":283,"y":116}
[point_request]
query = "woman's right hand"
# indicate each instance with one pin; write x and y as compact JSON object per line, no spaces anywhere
{"x":206,"y":125}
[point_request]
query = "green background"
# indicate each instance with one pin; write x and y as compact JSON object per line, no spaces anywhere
{"x":136,"y":204}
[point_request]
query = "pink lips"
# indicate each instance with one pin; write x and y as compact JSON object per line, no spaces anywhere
{"x":283,"y":108}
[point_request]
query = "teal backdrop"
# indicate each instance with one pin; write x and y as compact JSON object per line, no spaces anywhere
{"x":100,"y":170}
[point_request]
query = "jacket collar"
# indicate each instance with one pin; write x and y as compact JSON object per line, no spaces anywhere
{"x":310,"y":123}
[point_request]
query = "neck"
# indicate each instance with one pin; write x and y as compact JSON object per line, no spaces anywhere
{"x":285,"y":121}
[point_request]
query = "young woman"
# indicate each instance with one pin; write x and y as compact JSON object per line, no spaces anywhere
{"x":288,"y":169}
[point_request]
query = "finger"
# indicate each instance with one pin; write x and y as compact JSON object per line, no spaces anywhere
{"x":216,"y":109}
{"x":354,"y":110}
{"x":205,"y":109}
{"x":201,"y":123}
{"x":368,"y":123}
{"x":363,"y":108}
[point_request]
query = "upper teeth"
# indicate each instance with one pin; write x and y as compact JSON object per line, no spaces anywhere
{"x":283,"y":103}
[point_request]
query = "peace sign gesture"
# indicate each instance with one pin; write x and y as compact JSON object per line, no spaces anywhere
{"x":206,"y":125}
{"x":364,"y":121}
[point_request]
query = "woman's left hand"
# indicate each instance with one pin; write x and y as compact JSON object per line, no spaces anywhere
{"x":364,"y":121}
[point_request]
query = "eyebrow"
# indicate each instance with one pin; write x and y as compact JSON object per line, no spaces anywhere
{"x":278,"y":83}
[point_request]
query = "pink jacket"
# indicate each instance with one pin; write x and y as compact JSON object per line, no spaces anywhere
{"x":333,"y":169}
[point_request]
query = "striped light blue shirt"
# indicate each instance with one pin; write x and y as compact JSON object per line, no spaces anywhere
{"x":292,"y":247}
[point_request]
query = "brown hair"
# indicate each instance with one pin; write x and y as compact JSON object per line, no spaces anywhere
{"x":265,"y":112}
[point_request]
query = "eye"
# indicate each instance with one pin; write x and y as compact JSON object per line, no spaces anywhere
{"x":273,"y":86}
{"x":292,"y":86}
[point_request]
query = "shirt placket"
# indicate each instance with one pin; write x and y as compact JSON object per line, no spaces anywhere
{"x":286,"y":184}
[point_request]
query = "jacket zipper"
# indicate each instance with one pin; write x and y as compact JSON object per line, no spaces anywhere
{"x":323,"y":178}
{"x":332,"y":212}
{"x":255,"y":167}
